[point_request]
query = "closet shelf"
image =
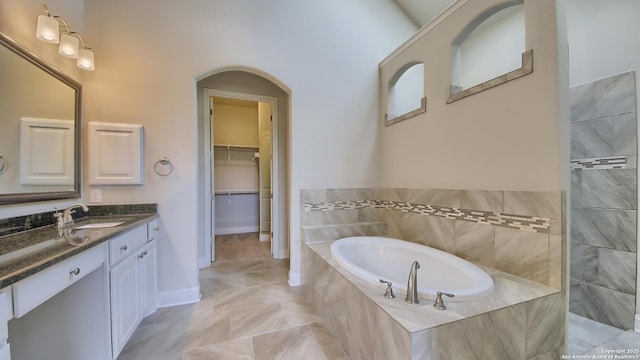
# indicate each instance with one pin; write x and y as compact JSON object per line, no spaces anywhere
{"x":235,"y":147}
{"x":236,"y":162}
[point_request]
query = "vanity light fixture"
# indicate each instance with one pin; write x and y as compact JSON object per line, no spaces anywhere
{"x":48,"y":30}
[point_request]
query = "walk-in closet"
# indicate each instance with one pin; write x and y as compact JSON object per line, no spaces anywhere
{"x":242,"y":167}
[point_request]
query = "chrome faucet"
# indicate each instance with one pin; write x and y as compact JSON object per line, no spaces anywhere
{"x":412,"y":284}
{"x":65,"y":218}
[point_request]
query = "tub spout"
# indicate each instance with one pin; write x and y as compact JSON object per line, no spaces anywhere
{"x":412,"y":284}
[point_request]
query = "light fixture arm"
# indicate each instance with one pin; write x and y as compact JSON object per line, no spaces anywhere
{"x":77,"y":34}
{"x":64,"y":24}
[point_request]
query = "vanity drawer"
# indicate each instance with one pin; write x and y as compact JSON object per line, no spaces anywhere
{"x":126,"y":244}
{"x":38,"y":288}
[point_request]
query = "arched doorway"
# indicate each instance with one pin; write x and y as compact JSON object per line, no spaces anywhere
{"x":243,"y":85}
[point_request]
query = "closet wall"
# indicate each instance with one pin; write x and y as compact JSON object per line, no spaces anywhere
{"x":236,"y":166}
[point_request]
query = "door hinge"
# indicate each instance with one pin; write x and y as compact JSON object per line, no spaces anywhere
{"x":271,"y":195}
{"x":210,"y":111}
{"x":270,"y":117}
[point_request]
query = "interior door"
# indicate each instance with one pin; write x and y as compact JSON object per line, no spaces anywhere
{"x":212,"y":204}
{"x":265,"y":170}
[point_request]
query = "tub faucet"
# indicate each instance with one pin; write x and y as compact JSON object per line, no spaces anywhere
{"x":412,"y":284}
{"x":389,"y":292}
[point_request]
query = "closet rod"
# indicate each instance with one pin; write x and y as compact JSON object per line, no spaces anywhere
{"x":237,"y":192}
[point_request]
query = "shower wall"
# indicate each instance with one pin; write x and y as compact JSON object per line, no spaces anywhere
{"x":604,"y":200}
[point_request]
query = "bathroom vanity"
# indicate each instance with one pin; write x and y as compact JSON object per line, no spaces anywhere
{"x":78,"y":293}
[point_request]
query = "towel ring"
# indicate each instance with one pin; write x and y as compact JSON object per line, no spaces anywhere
{"x":160,"y":167}
{"x":2,"y":164}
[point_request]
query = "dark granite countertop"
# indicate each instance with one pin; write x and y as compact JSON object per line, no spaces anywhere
{"x":28,"y":252}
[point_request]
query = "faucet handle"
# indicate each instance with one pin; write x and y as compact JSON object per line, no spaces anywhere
{"x":69,"y":218}
{"x":439,"y":304}
{"x":389,"y":292}
{"x":59,"y":219}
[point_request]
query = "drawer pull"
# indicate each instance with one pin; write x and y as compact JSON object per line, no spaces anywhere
{"x":75,"y":271}
{"x":123,"y":248}
{"x":143,"y":254}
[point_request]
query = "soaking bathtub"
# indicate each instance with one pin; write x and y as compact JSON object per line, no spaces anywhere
{"x":372,"y":258}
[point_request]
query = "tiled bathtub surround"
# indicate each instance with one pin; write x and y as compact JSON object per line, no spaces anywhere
{"x":520,"y":320}
{"x":604,"y":200}
{"x":517,"y":232}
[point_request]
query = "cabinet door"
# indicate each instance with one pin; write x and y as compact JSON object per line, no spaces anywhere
{"x":6,"y":313}
{"x":5,"y":352}
{"x":125,"y":302}
{"x":115,"y":153}
{"x":148,"y":277}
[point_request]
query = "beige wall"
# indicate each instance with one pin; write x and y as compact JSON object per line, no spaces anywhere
{"x":511,"y":137}
{"x":235,"y":125}
{"x":149,"y":57}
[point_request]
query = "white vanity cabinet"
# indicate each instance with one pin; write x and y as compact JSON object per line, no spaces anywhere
{"x":6,"y":313}
{"x":133,"y":282}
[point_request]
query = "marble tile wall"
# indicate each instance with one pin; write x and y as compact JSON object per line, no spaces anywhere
{"x":518,"y":232}
{"x":604,"y":200}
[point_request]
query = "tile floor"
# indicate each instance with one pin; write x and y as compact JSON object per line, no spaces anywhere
{"x":247,"y":311}
{"x":590,"y":338}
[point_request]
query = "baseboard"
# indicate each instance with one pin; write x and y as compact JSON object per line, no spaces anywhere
{"x":281,"y":254}
{"x":152,"y":308}
{"x":636,"y":325}
{"x":178,"y":297}
{"x":294,"y":279}
{"x":203,"y":263}
{"x":237,"y":230}
{"x":265,"y":237}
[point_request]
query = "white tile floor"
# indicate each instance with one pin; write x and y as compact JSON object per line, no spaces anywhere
{"x":591,"y":338}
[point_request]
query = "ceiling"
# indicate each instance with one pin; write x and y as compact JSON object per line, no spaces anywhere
{"x":422,"y":11}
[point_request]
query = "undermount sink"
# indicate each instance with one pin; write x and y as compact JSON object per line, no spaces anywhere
{"x":99,"y":225}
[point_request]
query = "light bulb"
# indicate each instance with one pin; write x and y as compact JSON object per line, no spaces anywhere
{"x":85,"y":59}
{"x":47,"y":29}
{"x":69,"y":46}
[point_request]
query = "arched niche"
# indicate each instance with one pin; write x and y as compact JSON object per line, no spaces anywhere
{"x":490,"y":51}
{"x":406,"y":93}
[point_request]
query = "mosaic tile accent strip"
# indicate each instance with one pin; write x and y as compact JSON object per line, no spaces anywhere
{"x":342,"y":205}
{"x":529,"y":223}
{"x":615,"y":162}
